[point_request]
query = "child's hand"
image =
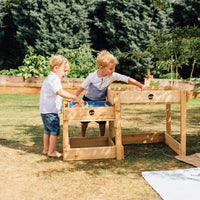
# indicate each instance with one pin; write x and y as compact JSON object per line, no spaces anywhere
{"x":143,"y":87}
{"x":69,"y":100}
{"x":79,"y":101}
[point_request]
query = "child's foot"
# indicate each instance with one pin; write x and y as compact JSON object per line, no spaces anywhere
{"x":44,"y":152}
{"x":55,"y":154}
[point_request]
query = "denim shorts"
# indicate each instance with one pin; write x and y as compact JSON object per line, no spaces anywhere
{"x":51,"y":123}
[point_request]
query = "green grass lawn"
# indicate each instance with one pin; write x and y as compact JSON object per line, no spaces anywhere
{"x":26,"y":174}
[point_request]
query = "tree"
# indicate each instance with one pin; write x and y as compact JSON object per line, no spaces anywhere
{"x":165,"y":50}
{"x":176,"y":49}
{"x":49,"y":25}
{"x":10,"y":52}
{"x":2,"y":15}
{"x":129,"y":25}
{"x":191,"y":46}
{"x":186,"y":13}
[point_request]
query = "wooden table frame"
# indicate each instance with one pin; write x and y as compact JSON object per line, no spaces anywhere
{"x":156,"y":95}
{"x":81,"y":148}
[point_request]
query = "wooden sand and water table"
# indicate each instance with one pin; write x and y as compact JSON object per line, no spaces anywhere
{"x":109,"y":146}
{"x":156,"y":95}
{"x":81,"y":148}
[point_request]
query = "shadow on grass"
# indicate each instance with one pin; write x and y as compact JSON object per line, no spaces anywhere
{"x":138,"y":158}
{"x":32,"y":133}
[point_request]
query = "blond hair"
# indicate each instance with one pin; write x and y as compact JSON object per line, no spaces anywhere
{"x":104,"y":58}
{"x":58,"y":60}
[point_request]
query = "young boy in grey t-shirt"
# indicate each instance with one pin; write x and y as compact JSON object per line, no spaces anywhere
{"x":98,"y":82}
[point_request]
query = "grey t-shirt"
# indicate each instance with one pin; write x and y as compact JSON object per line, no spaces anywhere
{"x":97,"y":86}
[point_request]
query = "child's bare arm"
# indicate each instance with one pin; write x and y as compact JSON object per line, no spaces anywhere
{"x":78,"y":92}
{"x":68,"y":95}
{"x":137,"y":83}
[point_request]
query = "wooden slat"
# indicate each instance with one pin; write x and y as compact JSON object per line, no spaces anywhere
{"x":28,"y":90}
{"x":110,"y":142}
{"x":15,"y":81}
{"x":17,"y":85}
{"x":89,"y":153}
{"x":133,"y":88}
{"x":139,"y":138}
{"x":172,"y":143}
{"x":183,"y":122}
{"x":66,"y":143}
{"x":110,"y":95}
{"x":160,"y":97}
{"x":168,"y":119}
{"x":149,"y":96}
{"x":83,"y":114}
{"x":118,"y":137}
{"x":19,"y":90}
{"x":80,"y":142}
{"x":112,"y":129}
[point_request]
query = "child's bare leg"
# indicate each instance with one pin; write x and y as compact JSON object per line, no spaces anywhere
{"x":52,"y":147}
{"x":102,"y":128}
{"x":83,"y":129}
{"x":45,"y":143}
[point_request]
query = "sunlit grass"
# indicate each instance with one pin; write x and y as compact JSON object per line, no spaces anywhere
{"x":25,"y":170}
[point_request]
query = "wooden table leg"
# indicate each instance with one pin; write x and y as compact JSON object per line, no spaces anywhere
{"x":168,"y":119}
{"x":111,"y":129}
{"x":183,"y":122}
{"x":118,"y":137}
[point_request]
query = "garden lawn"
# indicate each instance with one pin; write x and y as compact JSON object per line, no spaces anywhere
{"x":27,"y":174}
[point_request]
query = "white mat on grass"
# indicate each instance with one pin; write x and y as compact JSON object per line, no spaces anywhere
{"x":183,"y":184}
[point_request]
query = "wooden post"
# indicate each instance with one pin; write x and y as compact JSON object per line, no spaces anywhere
{"x":111,"y":129}
{"x":183,"y":122}
{"x":168,"y":119}
{"x":118,"y":138}
{"x":66,"y":143}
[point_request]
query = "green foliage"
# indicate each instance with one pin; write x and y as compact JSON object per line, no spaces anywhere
{"x":134,"y":63}
{"x":191,"y":45}
{"x":176,"y":49}
{"x":82,"y":61}
{"x":169,"y":76}
{"x":154,"y":83}
{"x":161,"y":3}
{"x":10,"y":51}
{"x":2,"y":15}
{"x":129,"y":26}
{"x":186,"y":13}
{"x":118,"y":26}
{"x":33,"y":65}
{"x":48,"y":25}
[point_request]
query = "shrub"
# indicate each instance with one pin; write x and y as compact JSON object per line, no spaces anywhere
{"x":33,"y":65}
{"x":82,"y":60}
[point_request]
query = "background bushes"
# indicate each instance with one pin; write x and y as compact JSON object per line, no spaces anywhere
{"x":49,"y":27}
